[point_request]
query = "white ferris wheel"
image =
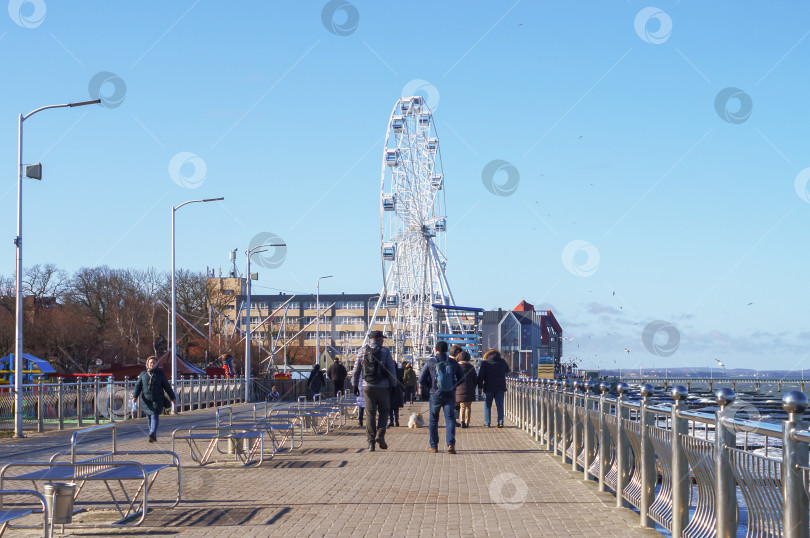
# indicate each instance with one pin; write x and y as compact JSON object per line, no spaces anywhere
{"x":413,"y":224}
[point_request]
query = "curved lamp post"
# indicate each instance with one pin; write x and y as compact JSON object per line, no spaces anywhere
{"x":33,"y":171}
{"x":250,"y":252}
{"x":174,"y":305}
{"x":318,"y":319}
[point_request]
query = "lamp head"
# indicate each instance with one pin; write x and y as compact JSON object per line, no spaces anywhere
{"x":34,"y":171}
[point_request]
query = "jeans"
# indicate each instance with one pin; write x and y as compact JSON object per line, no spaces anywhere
{"x":498,"y":397}
{"x":377,"y":405}
{"x":442,"y":401}
{"x":152,"y":422}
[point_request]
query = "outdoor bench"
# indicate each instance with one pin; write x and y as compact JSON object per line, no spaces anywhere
{"x":101,"y":465}
{"x":7,"y":515}
{"x":246,"y":442}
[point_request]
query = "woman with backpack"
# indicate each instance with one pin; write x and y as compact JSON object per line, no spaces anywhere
{"x":465,"y":391}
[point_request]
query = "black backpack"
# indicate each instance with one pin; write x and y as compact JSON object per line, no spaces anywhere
{"x":372,"y":365}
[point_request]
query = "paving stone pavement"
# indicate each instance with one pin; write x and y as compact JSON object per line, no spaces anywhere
{"x":500,"y":483}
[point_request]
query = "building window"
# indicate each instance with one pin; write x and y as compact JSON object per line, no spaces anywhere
{"x":349,"y":320}
{"x":349,"y":305}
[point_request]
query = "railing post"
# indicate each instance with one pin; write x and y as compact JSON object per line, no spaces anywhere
{"x":541,"y":387}
{"x":527,"y":389}
{"x":681,"y":481}
{"x":622,"y":445}
{"x":521,"y":404}
{"x":508,"y":400}
{"x":536,"y":409}
{"x":549,"y":409}
{"x":649,"y":473}
{"x":725,"y":488}
{"x":95,"y":400}
{"x":60,"y":402}
{"x":556,"y":411}
{"x":40,"y":407}
{"x":527,"y":418}
{"x":576,"y":425}
{"x":587,"y":430}
{"x":110,"y":398}
{"x":794,"y":454}
{"x":79,"y":398}
{"x":604,"y":386}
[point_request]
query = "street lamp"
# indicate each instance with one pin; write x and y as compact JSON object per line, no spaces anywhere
{"x":33,"y":171}
{"x":318,"y":319}
{"x":249,"y":252}
{"x":368,"y":313}
{"x":174,"y":306}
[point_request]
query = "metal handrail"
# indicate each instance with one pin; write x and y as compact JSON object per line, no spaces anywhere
{"x":629,"y":447}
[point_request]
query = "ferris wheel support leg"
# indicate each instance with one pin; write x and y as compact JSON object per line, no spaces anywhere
{"x":444,"y":283}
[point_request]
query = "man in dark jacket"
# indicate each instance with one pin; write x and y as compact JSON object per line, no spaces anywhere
{"x":316,"y":381}
{"x":441,"y":399}
{"x":492,"y":380}
{"x":150,"y":386}
{"x":337,"y":373}
{"x":378,"y":378}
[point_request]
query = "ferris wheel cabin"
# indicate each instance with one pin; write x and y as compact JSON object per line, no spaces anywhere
{"x":440,"y":225}
{"x":424,"y":119}
{"x":437,"y":181}
{"x":397,"y":124}
{"x":391,"y":301}
{"x":432,"y":145}
{"x":392,"y":157}
{"x":389,"y":202}
{"x":389,"y":252}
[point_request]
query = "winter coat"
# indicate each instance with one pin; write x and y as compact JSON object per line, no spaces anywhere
{"x":397,"y":395}
{"x":316,"y":380}
{"x":428,"y":377}
{"x":409,"y":377}
{"x":151,"y":388}
{"x":337,"y":372}
{"x":465,"y":391}
{"x":492,"y":374}
{"x":388,"y":370}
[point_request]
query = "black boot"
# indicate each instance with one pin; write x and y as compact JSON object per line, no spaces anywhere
{"x":381,"y":439}
{"x":371,"y":446}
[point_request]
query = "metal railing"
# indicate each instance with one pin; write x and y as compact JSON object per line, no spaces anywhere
{"x":60,"y":405}
{"x":693,"y":473}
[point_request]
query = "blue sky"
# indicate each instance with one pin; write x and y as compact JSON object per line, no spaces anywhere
{"x":607,"y":110}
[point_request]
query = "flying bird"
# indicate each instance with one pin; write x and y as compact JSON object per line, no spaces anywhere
{"x":749,"y":304}
{"x":627,"y":350}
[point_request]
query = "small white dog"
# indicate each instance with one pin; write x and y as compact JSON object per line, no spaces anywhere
{"x":416,"y":421}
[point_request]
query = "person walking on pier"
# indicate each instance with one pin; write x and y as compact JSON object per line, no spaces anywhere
{"x":492,"y":380}
{"x":337,"y":373}
{"x":151,"y":385}
{"x":441,"y":375}
{"x":465,"y":392}
{"x":409,"y":380}
{"x":377,"y":368}
{"x":316,"y":381}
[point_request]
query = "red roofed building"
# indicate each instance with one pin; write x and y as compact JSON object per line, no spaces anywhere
{"x":530,"y":340}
